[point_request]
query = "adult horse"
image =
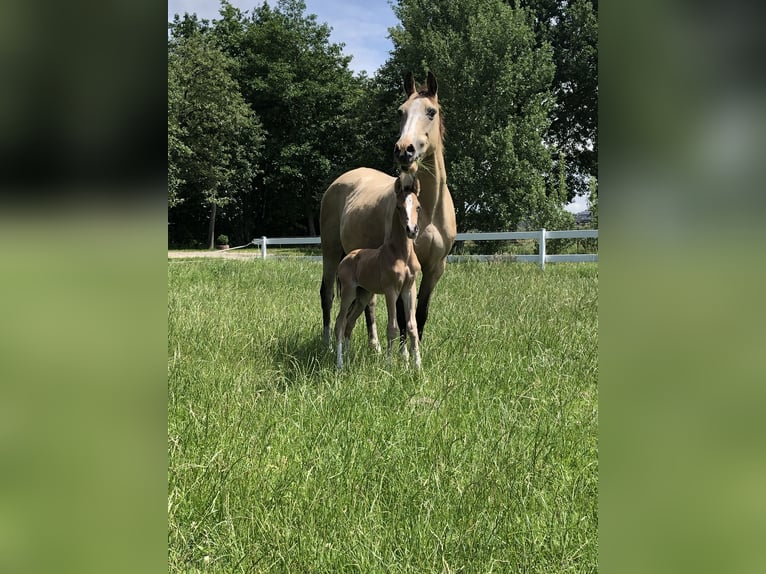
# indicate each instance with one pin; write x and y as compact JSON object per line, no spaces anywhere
{"x":357,"y":208}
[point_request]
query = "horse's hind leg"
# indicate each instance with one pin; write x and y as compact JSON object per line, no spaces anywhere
{"x":372,"y":329}
{"x":327,"y":294}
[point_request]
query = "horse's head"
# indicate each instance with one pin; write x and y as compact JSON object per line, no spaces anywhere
{"x":420,"y":131}
{"x":407,"y":188}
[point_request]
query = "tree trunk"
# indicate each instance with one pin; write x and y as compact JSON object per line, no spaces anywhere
{"x":460,"y":213}
{"x":211,"y":229}
{"x":312,"y":227}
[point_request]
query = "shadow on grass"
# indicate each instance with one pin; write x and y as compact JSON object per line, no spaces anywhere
{"x":301,"y":357}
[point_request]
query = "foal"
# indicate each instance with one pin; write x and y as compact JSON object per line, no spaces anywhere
{"x":390,"y":270}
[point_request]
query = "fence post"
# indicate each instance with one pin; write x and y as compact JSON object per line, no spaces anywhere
{"x":542,"y":248}
{"x":263,"y":247}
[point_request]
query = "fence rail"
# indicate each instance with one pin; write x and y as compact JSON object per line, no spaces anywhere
{"x":541,"y":258}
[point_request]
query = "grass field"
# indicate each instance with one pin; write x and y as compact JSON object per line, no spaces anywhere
{"x":485,"y":462}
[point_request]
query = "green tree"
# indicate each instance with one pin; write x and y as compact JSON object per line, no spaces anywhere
{"x":593,"y":202}
{"x":570,"y":27}
{"x":178,"y":152}
{"x":299,"y":84}
{"x":495,"y":88}
{"x":214,"y":138}
{"x":376,"y":126}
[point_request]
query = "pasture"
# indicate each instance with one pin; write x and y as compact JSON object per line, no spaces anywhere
{"x":486,"y":461}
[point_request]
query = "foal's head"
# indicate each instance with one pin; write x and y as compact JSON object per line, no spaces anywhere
{"x":420,"y":133}
{"x":407,"y":188}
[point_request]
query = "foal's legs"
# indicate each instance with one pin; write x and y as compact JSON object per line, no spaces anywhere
{"x":340,"y":327}
{"x":401,"y":321}
{"x":408,"y":302}
{"x":347,"y":296}
{"x":360,"y":302}
{"x":372,"y":329}
{"x":393,"y":328}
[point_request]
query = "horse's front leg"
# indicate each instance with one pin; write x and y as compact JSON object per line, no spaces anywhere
{"x":408,"y":302}
{"x":372,"y":329}
{"x":430,"y":279}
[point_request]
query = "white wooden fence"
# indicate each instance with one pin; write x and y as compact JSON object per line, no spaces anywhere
{"x":541,"y":258}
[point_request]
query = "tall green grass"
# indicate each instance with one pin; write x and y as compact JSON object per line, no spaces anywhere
{"x":486,"y":461}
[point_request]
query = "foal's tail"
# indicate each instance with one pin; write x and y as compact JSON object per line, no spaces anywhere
{"x":337,"y":277}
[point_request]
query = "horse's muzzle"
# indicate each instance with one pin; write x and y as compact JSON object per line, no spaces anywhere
{"x":412,"y":232}
{"x":405,"y":156}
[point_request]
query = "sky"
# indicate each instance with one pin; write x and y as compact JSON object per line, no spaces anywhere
{"x":362,"y":25}
{"x":579,"y":204}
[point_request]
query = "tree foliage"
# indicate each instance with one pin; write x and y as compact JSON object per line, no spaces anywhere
{"x":570,"y":27}
{"x":264,"y":112}
{"x":300,"y":85}
{"x":214,"y":138}
{"x":495,"y":88}
{"x":283,"y":66}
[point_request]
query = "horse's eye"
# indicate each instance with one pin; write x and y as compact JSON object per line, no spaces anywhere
{"x":431,"y":112}
{"x":400,"y":111}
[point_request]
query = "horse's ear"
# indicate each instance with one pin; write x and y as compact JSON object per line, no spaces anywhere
{"x":433,"y":86}
{"x":409,"y":84}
